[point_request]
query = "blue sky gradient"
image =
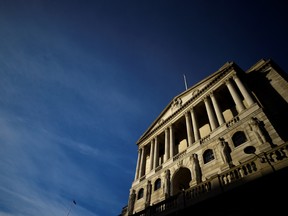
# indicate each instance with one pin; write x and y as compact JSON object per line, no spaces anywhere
{"x":81,"y":81}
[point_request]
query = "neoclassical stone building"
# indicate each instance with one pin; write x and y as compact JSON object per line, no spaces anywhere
{"x":227,"y":130}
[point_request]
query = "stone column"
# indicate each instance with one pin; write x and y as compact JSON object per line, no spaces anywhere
{"x":141,"y":163}
{"x":195,"y":125}
{"x":171,"y":141}
{"x":166,"y":156}
{"x":144,"y":160}
{"x":188,"y":128}
{"x":156,"y":153}
{"x":235,"y":96}
{"x":243,"y":91}
{"x":217,"y":109}
{"x":138,"y":163}
{"x":212,"y":119}
{"x":151,"y":154}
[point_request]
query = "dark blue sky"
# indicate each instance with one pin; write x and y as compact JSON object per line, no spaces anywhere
{"x":81,"y":81}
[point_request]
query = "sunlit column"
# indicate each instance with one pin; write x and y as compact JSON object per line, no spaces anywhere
{"x":143,"y":162}
{"x":195,"y":125}
{"x":166,"y":156}
{"x":217,"y":109}
{"x":156,"y":153}
{"x":243,"y":91}
{"x":235,"y":96}
{"x":171,"y":141}
{"x":138,"y":162}
{"x":188,"y":128}
{"x":210,"y":113}
{"x":151,"y":154}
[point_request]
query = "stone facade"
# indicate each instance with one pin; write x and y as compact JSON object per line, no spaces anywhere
{"x":200,"y":137}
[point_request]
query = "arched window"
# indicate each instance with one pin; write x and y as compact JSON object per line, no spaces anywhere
{"x":157,"y":184}
{"x":140,"y":193}
{"x":238,"y":138}
{"x":208,"y":156}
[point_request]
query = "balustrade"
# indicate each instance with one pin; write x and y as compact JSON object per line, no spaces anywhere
{"x":232,"y":122}
{"x":205,"y":139}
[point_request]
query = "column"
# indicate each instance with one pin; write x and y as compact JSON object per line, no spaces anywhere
{"x":141,"y":163}
{"x":151,"y":154}
{"x":243,"y":91}
{"x":235,"y":96}
{"x":210,"y":113}
{"x":171,"y":141}
{"x":188,"y":128}
{"x":156,"y":153}
{"x":137,"y":166}
{"x":166,"y":156}
{"x":195,"y":125}
{"x":217,"y":109}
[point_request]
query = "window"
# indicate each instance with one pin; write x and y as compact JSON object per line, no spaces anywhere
{"x":239,"y":138}
{"x":140,"y":193}
{"x":157,"y":184}
{"x":208,"y":156}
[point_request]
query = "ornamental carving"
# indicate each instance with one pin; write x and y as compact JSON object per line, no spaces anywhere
{"x":160,"y":121}
{"x":177,"y":103}
{"x":195,"y":92}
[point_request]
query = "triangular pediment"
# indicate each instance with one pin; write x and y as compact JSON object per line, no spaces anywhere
{"x":180,"y":100}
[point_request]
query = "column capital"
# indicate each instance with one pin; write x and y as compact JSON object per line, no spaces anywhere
{"x":205,"y":98}
{"x":234,"y":76}
{"x":227,"y":81}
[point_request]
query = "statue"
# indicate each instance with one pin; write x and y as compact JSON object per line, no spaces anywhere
{"x":225,"y":152}
{"x":258,"y":128}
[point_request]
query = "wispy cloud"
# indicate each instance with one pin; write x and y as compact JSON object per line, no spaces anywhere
{"x":37,"y":170}
{"x":44,"y":106}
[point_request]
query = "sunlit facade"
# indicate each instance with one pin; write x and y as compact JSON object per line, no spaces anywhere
{"x":226,"y":130}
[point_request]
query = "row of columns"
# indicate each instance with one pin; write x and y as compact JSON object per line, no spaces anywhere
{"x":193,"y":134}
{"x":154,"y":152}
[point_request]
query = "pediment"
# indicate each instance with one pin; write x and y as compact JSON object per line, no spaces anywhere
{"x":180,"y":100}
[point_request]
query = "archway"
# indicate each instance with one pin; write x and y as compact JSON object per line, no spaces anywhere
{"x":181,"y":180}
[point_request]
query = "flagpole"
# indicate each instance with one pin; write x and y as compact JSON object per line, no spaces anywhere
{"x":185,"y":82}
